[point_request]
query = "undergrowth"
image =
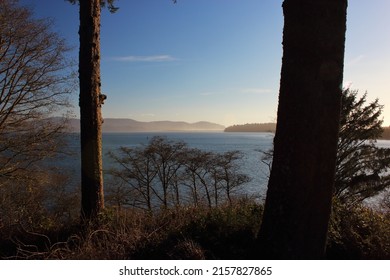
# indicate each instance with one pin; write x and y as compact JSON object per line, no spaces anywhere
{"x":226,"y":232}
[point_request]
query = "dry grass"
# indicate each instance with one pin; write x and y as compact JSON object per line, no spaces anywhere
{"x":226,"y":232}
{"x":185,"y":233}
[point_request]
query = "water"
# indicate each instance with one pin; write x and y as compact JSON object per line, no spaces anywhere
{"x":250,"y":144}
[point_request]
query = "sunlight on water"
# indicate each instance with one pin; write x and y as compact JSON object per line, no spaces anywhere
{"x":250,"y":144}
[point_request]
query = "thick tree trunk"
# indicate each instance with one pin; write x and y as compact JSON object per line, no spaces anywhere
{"x":299,"y":193}
{"x":92,"y":200}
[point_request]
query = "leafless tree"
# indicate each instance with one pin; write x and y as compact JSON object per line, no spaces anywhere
{"x":166,"y":173}
{"x":35,"y":82}
{"x":195,"y":178}
{"x":136,"y":169}
{"x":230,"y":176}
{"x":167,"y":160}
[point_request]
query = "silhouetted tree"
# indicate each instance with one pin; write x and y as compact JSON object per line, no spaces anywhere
{"x":36,"y":79}
{"x":362,"y":167}
{"x":300,"y":188}
{"x":138,"y":171}
{"x":90,"y":101}
{"x":195,"y":172}
{"x":167,"y":160}
{"x":230,"y":173}
{"x":168,"y":173}
{"x":92,"y":200}
{"x":35,"y":82}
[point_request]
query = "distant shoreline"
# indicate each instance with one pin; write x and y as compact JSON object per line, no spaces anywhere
{"x":252,"y":127}
{"x":111,"y":125}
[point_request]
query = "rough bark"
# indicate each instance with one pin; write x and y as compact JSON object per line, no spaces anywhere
{"x":92,"y":200}
{"x":299,"y":192}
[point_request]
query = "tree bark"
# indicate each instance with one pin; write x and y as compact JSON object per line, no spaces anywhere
{"x":298,"y":203}
{"x":92,"y":200}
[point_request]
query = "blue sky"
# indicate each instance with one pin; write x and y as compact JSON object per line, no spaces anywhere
{"x":213,"y":60}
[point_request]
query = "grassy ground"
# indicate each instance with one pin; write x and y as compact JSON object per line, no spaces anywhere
{"x":227,"y":232}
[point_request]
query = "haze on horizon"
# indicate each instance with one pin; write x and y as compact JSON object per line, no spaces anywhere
{"x":216,"y":61}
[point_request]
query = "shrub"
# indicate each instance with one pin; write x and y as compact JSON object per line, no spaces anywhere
{"x":358,"y":232}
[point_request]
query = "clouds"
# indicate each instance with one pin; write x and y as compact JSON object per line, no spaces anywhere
{"x":150,"y":58}
{"x":355,"y":60}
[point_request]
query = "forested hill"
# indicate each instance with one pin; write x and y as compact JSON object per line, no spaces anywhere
{"x":252,"y":127}
{"x":271,"y":127}
{"x":386,"y":133}
{"x":129,"y":125}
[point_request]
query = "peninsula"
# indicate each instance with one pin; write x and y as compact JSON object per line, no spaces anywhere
{"x":252,"y":127}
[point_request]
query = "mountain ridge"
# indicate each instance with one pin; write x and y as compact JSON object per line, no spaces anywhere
{"x":131,"y":125}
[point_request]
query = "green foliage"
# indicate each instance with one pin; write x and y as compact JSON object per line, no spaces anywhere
{"x":361,"y":167}
{"x":358,"y":232}
{"x":227,"y":232}
{"x":361,"y":170}
{"x":252,"y":127}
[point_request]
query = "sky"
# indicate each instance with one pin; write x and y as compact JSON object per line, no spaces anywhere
{"x":213,"y":60}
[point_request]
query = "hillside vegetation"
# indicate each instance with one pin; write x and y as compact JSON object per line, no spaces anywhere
{"x":130,"y":125}
{"x":252,"y":127}
{"x":226,"y":232}
{"x":386,"y":133}
{"x":271,"y":127}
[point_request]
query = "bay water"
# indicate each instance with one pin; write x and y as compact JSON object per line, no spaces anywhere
{"x":251,"y":145}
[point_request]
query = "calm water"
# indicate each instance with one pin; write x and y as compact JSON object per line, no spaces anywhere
{"x":250,"y":144}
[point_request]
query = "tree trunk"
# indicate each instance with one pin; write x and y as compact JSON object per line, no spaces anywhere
{"x":298,"y":203}
{"x":92,"y":200}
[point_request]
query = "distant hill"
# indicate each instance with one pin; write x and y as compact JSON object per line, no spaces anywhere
{"x":130,"y":125}
{"x":252,"y":127}
{"x":271,"y":127}
{"x":386,"y":133}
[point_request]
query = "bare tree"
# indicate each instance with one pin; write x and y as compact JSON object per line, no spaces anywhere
{"x":230,"y":173}
{"x":136,"y":170}
{"x":167,"y":160}
{"x":168,"y":173}
{"x":35,"y":83}
{"x":196,"y":172}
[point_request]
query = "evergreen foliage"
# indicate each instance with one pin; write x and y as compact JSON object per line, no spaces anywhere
{"x":252,"y":127}
{"x":361,"y":170}
{"x":109,"y":3}
{"x":361,"y":167}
